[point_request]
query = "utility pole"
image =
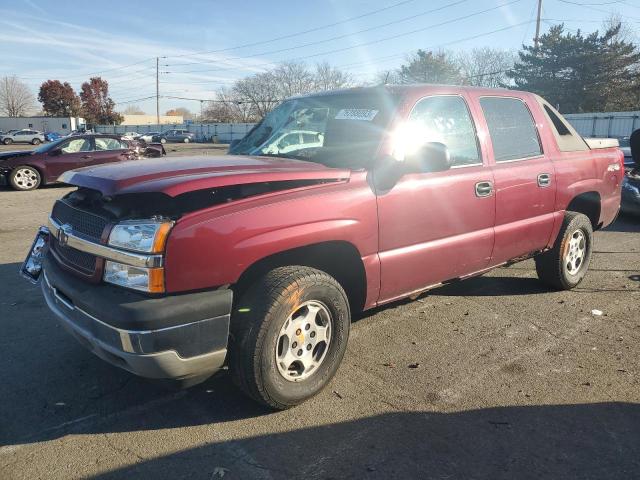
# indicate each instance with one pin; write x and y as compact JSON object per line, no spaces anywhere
{"x":537,"y":37}
{"x":158,"y":90}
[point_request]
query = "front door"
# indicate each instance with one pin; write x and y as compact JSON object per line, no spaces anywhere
{"x":73,"y":153}
{"x":524,"y":179}
{"x":437,"y":226}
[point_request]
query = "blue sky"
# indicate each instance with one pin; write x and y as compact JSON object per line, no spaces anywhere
{"x":119,"y":40}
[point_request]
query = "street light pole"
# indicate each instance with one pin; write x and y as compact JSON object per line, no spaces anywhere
{"x":158,"y":90}
{"x":536,"y":39}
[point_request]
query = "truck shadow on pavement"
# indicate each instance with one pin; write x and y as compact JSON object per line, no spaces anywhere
{"x":625,"y":223}
{"x":53,"y":387}
{"x":586,"y":441}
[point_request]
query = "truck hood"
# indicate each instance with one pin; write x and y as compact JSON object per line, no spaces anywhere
{"x":177,"y":175}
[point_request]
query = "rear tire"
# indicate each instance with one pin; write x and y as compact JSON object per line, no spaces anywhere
{"x":565,"y":265}
{"x":35,"y":141}
{"x":25,"y":178}
{"x":311,"y":306}
{"x":163,"y":140}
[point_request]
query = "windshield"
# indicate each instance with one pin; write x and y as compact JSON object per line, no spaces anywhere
{"x":340,"y":130}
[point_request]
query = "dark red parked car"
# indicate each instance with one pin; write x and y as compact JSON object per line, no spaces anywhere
{"x":27,"y":170}
{"x":173,"y":268}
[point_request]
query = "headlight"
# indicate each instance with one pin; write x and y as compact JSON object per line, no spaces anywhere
{"x":144,"y":279}
{"x":146,"y":236}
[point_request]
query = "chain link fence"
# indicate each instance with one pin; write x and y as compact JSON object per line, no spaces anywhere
{"x":205,"y":132}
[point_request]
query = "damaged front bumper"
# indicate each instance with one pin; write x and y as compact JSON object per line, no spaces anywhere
{"x":182,"y":337}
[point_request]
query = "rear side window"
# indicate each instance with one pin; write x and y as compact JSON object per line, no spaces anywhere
{"x":446,"y":119}
{"x":108,"y":144}
{"x":511,"y":127}
{"x":558,"y":124}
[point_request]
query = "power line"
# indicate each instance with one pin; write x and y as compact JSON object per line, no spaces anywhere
{"x":291,"y":35}
{"x":330,"y":39}
{"x":592,"y":7}
{"x":136,"y":100}
{"x":392,"y":37}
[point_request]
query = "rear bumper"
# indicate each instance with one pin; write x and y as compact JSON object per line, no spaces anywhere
{"x":183,"y":338}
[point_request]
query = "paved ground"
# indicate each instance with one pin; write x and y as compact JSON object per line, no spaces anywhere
{"x":510,"y":381}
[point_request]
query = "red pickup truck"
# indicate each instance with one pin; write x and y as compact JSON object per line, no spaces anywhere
{"x":172,"y":268}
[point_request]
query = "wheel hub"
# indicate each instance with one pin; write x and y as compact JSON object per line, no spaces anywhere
{"x":303,"y":341}
{"x":575,"y":252}
{"x":25,"y":178}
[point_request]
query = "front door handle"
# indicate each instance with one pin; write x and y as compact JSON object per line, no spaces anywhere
{"x":484,"y":189}
{"x":544,"y":180}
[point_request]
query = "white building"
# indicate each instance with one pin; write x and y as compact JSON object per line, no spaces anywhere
{"x":61,"y":125}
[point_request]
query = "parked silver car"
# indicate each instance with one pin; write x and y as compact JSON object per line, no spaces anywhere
{"x":23,"y":136}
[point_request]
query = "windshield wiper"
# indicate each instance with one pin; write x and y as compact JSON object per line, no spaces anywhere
{"x":286,"y":155}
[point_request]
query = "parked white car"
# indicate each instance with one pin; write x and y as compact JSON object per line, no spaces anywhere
{"x":148,"y":137}
{"x":131,"y":135}
{"x":23,"y":136}
{"x":295,"y":140}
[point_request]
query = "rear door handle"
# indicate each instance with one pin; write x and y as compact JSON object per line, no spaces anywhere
{"x":544,"y":180}
{"x":87,"y":157}
{"x":484,"y":189}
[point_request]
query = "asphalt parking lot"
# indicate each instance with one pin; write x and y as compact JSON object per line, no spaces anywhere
{"x":495,"y":377}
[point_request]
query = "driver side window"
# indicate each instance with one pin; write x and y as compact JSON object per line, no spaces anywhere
{"x":446,"y":119}
{"x":77,"y":145}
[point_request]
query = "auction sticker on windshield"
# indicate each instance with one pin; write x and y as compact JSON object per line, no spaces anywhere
{"x":356,"y":114}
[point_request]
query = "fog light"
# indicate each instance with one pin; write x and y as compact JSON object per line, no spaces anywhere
{"x":137,"y":278}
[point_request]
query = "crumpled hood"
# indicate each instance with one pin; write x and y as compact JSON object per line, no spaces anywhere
{"x":176,"y":175}
{"x":8,"y":155}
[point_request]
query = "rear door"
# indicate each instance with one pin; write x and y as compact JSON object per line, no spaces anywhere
{"x":109,"y":149}
{"x":523,"y":172}
{"x":437,"y":226}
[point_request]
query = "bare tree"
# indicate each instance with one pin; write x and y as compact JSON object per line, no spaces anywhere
{"x":387,"y":77}
{"x":16,"y":100}
{"x":293,"y":78}
{"x":251,"y":98}
{"x":626,"y":33}
{"x":327,"y":77}
{"x":486,"y":66}
{"x":262,"y":90}
{"x":133,"y":110}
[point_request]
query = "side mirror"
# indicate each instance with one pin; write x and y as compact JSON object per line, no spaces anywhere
{"x":55,"y":152}
{"x":430,"y":157}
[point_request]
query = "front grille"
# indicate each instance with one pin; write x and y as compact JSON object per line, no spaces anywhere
{"x":88,"y":224}
{"x":82,"y":261}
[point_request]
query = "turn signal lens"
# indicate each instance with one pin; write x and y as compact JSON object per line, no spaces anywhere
{"x":144,"y":279}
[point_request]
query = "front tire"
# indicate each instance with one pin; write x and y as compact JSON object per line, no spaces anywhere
{"x":25,"y":178}
{"x":7,"y":141}
{"x":565,"y":265}
{"x":289,"y":333}
{"x":186,"y":140}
